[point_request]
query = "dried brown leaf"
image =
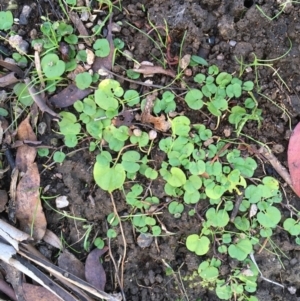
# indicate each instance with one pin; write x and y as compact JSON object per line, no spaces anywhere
{"x":80,"y":27}
{"x":125,"y":118}
{"x":71,"y":264}
{"x":25,"y":154}
{"x":8,"y":79}
{"x":29,"y":211}
{"x":149,"y":70}
{"x":68,"y":96}
{"x":94,"y":272}
{"x":38,"y":293}
{"x":160,"y":123}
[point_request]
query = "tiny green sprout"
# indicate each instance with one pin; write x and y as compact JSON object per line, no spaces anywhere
{"x":109,"y":178}
{"x":131,"y":97}
{"x":59,"y":157}
{"x":194,"y":99}
{"x":102,"y":47}
{"x":6,"y":20}
{"x":241,"y":249}
{"x":3,"y":112}
{"x":23,"y":94}
{"x":176,"y":209}
{"x":197,"y":60}
{"x":198,"y":244}
{"x":156,"y":230}
{"x":99,"y":243}
{"x":113,"y":219}
{"x":52,"y":66}
{"x":132,"y":74}
{"x":111,"y":233}
{"x":209,"y":270}
{"x":119,"y":44}
{"x":83,"y":80}
{"x":43,"y":152}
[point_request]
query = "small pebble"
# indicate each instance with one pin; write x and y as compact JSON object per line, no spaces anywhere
{"x":128,"y":55}
{"x":220,"y":57}
{"x":19,"y":44}
{"x":42,"y":128}
{"x":278,"y":148}
{"x":152,"y":135}
{"x":90,"y":56}
{"x":232,"y":43}
{"x":61,"y":202}
{"x":115,"y":27}
{"x":84,"y":16}
{"x":26,"y":10}
{"x":137,"y":132}
{"x":144,"y":240}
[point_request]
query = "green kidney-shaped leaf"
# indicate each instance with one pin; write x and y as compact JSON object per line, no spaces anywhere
{"x":291,"y":226}
{"x":199,"y":245}
{"x":240,"y":250}
{"x":270,"y":218}
{"x":194,"y":99}
{"x":109,"y":179}
{"x":6,"y":20}
{"x":52,"y":66}
{"x":177,"y":177}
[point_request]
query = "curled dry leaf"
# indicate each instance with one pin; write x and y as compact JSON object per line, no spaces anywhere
{"x":294,"y":159}
{"x":80,"y":27}
{"x":94,"y":272}
{"x":68,"y":96}
{"x":160,"y":123}
{"x":124,"y":118}
{"x":71,"y":264}
{"x":52,"y":239}
{"x":38,"y":293}
{"x":150,"y":70}
{"x":25,"y":154}
{"x":8,"y":79}
{"x":29,"y":211}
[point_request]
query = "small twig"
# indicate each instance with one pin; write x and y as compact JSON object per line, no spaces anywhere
{"x":39,"y":100}
{"x":281,"y":170}
{"x":124,"y":243}
{"x":263,"y":245}
{"x":238,"y":201}
{"x":146,"y":84}
{"x":261,"y":275}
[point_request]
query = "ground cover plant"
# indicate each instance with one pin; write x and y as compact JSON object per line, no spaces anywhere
{"x":178,"y":152}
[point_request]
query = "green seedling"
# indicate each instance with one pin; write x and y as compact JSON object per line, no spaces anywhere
{"x":282,"y":8}
{"x":263,"y":63}
{"x":176,"y":209}
{"x":99,"y":243}
{"x":52,"y":66}
{"x":6,"y":20}
{"x":24,"y":97}
{"x":59,"y":157}
{"x":83,"y":80}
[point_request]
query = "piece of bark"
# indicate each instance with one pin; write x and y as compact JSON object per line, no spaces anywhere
{"x":8,"y":79}
{"x":29,"y":211}
{"x":25,"y":154}
{"x":80,"y":27}
{"x":68,"y":96}
{"x":94,"y":271}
